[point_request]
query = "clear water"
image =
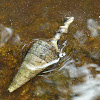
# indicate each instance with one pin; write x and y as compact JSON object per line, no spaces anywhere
{"x":77,"y":75}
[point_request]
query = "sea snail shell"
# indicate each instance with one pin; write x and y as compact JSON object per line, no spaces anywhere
{"x":41,"y":53}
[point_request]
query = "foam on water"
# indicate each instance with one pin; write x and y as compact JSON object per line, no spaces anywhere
{"x":80,"y":37}
{"x":5,"y":34}
{"x":90,"y":88}
{"x":92,"y":25}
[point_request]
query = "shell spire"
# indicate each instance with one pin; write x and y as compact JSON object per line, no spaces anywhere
{"x":61,"y":30}
{"x":41,"y":55}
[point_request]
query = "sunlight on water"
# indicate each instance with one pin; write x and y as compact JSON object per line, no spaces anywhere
{"x":16,"y":39}
{"x":80,"y":36}
{"x":5,"y":34}
{"x":75,"y":75}
{"x":90,"y":88}
{"x":92,"y":25}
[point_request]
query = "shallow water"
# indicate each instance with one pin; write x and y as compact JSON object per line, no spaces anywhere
{"x":77,"y":75}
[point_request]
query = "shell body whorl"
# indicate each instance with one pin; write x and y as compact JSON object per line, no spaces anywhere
{"x":39,"y":54}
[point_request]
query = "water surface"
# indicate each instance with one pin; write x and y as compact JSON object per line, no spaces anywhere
{"x":77,"y":76}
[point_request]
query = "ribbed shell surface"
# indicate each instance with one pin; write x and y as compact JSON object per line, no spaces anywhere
{"x":43,"y":50}
{"x":39,"y":54}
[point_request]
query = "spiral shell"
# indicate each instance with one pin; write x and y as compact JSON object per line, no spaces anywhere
{"x":39,"y":54}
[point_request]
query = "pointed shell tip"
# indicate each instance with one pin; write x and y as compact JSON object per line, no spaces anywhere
{"x":10,"y":89}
